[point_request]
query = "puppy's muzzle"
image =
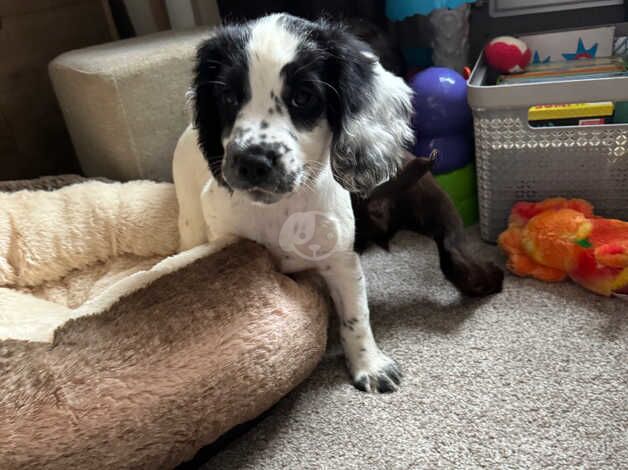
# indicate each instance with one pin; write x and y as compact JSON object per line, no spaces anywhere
{"x":253,"y":166}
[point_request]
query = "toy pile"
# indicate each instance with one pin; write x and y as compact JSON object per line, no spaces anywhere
{"x":560,"y":57}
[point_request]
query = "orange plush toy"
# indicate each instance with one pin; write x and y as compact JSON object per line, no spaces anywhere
{"x":556,"y":238}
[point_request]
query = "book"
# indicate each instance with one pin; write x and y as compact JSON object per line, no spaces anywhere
{"x":571,"y":111}
{"x":573,"y":70}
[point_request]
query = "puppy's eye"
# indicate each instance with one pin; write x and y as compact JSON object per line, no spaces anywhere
{"x":303,"y":98}
{"x":229,"y":97}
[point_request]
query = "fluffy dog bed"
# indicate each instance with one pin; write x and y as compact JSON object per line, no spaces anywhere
{"x":115,"y":352}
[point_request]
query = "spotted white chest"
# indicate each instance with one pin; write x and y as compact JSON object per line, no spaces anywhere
{"x":301,"y":231}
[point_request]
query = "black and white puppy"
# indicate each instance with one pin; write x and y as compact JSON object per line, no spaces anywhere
{"x":290,"y":117}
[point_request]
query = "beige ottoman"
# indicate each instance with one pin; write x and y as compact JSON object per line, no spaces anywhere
{"x":124,"y":102}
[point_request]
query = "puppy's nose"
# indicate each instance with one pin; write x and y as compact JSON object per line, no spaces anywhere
{"x":254,"y":165}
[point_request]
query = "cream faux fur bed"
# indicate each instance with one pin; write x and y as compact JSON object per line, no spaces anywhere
{"x":60,"y":250}
{"x":115,"y":352}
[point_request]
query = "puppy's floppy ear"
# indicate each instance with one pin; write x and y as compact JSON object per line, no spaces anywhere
{"x":209,"y":57}
{"x":216,"y":58}
{"x":369,"y":113}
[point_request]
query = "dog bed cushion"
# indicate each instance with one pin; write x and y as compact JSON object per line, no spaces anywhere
{"x":117,"y":352}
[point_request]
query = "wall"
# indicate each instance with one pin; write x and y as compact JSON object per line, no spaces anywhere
{"x":33,"y":138}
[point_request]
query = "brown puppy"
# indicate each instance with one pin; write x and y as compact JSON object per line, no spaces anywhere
{"x":414,"y":201}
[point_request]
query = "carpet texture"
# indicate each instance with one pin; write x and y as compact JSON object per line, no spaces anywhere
{"x":534,"y":377}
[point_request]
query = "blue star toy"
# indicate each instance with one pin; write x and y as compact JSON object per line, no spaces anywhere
{"x":537,"y":60}
{"x":582,"y":52}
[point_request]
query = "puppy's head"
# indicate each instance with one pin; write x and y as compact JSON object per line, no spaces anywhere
{"x":278,"y":99}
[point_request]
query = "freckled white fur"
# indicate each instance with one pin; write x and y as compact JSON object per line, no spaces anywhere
{"x":209,"y":211}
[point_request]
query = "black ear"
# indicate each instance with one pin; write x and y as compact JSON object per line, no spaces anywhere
{"x":209,"y":58}
{"x":370,"y":114}
{"x":222,"y":52}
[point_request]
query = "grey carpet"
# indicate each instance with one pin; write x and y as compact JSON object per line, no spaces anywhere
{"x":534,"y":377}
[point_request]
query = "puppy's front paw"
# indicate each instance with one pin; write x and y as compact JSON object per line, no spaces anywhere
{"x":376,"y":373}
{"x":471,"y":277}
{"x":479,"y":279}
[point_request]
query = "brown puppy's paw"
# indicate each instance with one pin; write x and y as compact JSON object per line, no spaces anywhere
{"x":475,"y":278}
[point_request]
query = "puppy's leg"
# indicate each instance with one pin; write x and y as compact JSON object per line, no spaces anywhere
{"x":371,"y":370}
{"x":190,"y":173}
{"x":437,"y":216}
{"x":191,"y":222}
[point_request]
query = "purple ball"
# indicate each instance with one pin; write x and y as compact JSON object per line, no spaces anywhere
{"x":442,"y":118}
{"x":440,"y":101}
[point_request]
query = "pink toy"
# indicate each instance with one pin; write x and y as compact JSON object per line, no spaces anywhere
{"x":507,"y":54}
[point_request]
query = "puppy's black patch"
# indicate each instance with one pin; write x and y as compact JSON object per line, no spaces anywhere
{"x":221,"y":89}
{"x":304,"y":91}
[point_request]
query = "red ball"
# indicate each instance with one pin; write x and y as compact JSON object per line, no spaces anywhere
{"x":507,"y":54}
